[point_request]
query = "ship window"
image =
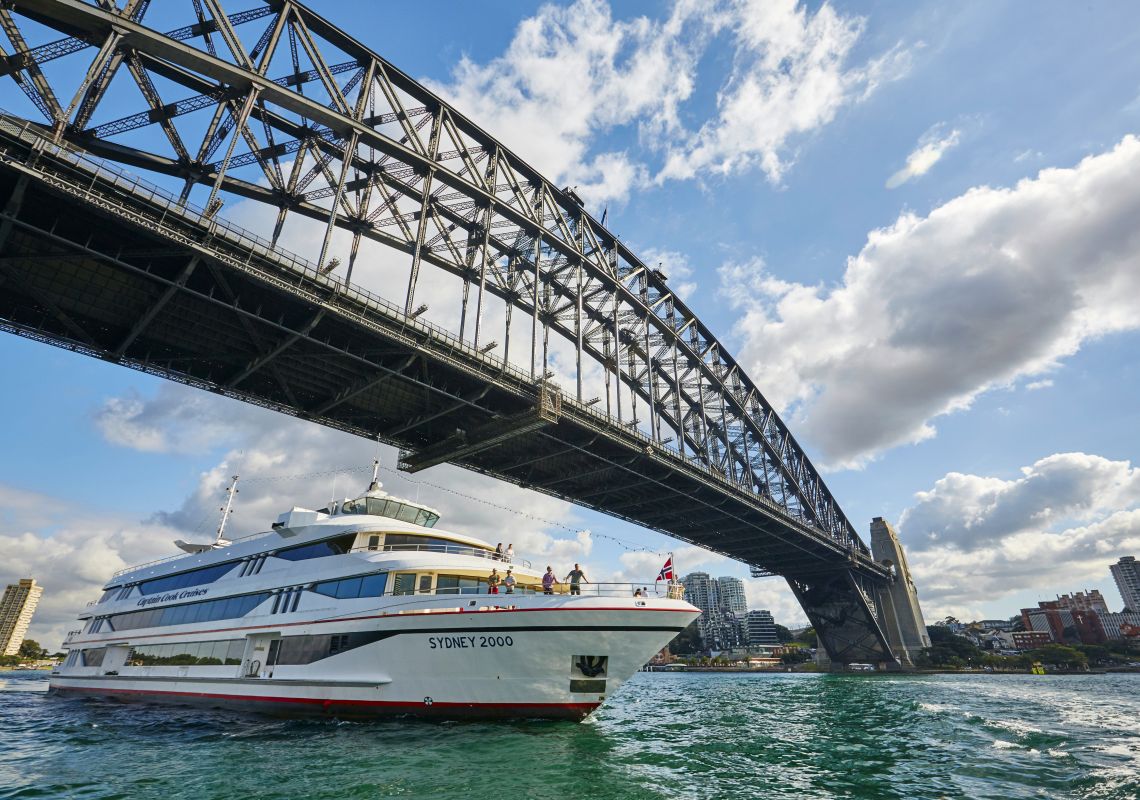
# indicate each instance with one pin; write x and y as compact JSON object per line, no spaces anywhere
{"x":373,"y":585}
{"x":307,"y":649}
{"x":94,"y":656}
{"x":454,"y":584}
{"x":328,"y":547}
{"x":349,"y":587}
{"x":208,"y":611}
{"x":425,"y":584}
{"x":107,"y":595}
{"x":195,"y":577}
{"x":214,"y":653}
{"x":374,"y":542}
{"x":404,"y":583}
{"x":411,"y":541}
{"x":360,"y":586}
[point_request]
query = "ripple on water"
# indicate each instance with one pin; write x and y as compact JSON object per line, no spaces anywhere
{"x":664,"y":736}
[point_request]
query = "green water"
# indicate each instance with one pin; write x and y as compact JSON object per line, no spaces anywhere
{"x":663,"y":736}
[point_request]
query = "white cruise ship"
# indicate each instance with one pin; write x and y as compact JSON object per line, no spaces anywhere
{"x":362,"y":609}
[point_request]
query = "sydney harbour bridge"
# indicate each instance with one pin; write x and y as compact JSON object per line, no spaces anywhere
{"x":566,"y":364}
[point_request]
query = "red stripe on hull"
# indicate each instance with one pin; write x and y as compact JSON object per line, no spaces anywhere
{"x":356,"y":709}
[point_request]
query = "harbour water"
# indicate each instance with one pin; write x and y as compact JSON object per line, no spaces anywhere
{"x":664,"y":736}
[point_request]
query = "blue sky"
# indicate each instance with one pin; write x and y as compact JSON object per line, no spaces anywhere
{"x":913,"y":223}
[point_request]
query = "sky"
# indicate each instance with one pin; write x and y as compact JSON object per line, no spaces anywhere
{"x":914,"y":224}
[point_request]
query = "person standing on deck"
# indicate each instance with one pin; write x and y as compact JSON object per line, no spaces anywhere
{"x":576,"y":578}
{"x":493,"y":581}
{"x":509,"y":581}
{"x":548,"y":581}
{"x":510,"y":554}
{"x":499,"y":551}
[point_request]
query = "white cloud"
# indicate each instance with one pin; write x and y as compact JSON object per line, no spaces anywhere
{"x":790,"y":76}
{"x":975,"y":539}
{"x":931,"y":147}
{"x":994,"y":286}
{"x":572,"y":74}
{"x":1034,"y":386}
{"x":676,"y":267}
{"x":71,"y":550}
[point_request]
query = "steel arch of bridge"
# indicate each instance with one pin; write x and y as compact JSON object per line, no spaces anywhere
{"x":301,"y":117}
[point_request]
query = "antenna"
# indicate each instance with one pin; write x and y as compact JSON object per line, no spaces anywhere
{"x":375,"y":485}
{"x":226,"y":510}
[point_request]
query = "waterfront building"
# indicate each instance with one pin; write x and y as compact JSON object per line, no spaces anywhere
{"x":1117,"y":626}
{"x":761,"y":628}
{"x":722,"y":605}
{"x":703,"y":591}
{"x":16,"y":609}
{"x":1030,"y":640}
{"x":732,"y":597}
{"x":1126,"y":573}
{"x":1084,"y":601}
{"x":1064,"y":625}
{"x":1005,"y":625}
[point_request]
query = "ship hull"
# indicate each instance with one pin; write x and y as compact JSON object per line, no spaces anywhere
{"x":541,"y":658}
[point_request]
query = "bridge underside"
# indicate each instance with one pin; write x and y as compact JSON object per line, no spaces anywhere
{"x":101,"y":270}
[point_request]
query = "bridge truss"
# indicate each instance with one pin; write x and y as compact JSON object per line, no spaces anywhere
{"x":276,"y":106}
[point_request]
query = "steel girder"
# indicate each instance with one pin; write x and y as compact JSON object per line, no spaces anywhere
{"x":98,"y":251}
{"x":379,"y":155}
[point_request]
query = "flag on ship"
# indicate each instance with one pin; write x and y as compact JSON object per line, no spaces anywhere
{"x":666,"y":572}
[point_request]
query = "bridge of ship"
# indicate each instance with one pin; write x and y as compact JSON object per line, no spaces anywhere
{"x":558,"y":360}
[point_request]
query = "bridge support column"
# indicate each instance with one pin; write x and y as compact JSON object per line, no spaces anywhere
{"x":901,"y":615}
{"x":843,"y":609}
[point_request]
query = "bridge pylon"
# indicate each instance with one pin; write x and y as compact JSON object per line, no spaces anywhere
{"x":901,"y":612}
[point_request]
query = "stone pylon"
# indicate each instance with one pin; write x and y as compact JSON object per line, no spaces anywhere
{"x":901,"y":615}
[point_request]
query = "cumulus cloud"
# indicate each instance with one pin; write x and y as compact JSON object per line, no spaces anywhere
{"x":71,"y":550}
{"x":790,"y":76}
{"x":569,"y":74}
{"x":973,"y":538}
{"x":995,"y":285}
{"x":931,"y":147}
{"x":572,"y":74}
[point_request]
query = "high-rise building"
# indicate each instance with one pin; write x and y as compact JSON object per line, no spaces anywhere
{"x":701,"y":591}
{"x":16,"y":611}
{"x":761,"y":628}
{"x":1126,"y":573}
{"x":722,"y":605}
{"x":732,"y":599}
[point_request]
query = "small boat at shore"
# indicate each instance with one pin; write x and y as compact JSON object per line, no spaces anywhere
{"x":361,"y":609}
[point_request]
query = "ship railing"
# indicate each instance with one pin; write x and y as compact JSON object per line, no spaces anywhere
{"x":460,"y":550}
{"x":604,"y":589}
